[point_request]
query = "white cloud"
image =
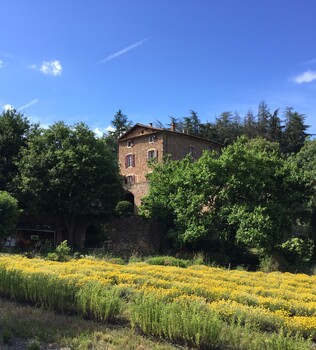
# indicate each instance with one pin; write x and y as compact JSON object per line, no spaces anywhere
{"x":51,"y":67}
{"x":101,"y":132}
{"x":1,"y":63}
{"x":29,"y":104}
{"x":98,"y":132}
{"x":305,"y":77}
{"x":122,"y":52}
{"x":109,"y":128}
{"x":7,"y":107}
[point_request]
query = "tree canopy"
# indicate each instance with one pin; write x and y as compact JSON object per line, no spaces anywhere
{"x":68,"y":171}
{"x":246,"y":196}
{"x":8,"y":212}
{"x":14,"y":128}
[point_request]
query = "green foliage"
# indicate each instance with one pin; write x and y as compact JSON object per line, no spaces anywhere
{"x":121,"y":125}
{"x":8,"y":212}
{"x":247,"y":195}
{"x":34,"y":345}
{"x":6,"y":337}
{"x":61,"y":253}
{"x":14,"y":128}
{"x":192,"y":323}
{"x":270,"y":263}
{"x":124,"y":209}
{"x":167,"y":261}
{"x":68,"y":171}
{"x":97,"y":302}
{"x":298,"y":249}
{"x":294,"y":131}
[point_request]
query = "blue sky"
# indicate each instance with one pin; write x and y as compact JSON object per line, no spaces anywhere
{"x":83,"y":60}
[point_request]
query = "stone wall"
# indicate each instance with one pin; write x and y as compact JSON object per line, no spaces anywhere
{"x":134,"y":234}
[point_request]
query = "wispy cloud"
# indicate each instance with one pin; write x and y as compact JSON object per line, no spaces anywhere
{"x":122,"y":52}
{"x":29,"y":104}
{"x":306,"y":77}
{"x":1,"y":63}
{"x":51,"y":67}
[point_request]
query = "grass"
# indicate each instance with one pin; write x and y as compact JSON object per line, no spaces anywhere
{"x":40,"y":326}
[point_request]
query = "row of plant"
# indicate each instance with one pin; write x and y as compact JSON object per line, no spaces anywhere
{"x":185,"y":305}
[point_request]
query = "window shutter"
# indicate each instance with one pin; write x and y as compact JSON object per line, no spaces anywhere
{"x":126,"y":161}
{"x":133,"y":160}
{"x":156,"y":155}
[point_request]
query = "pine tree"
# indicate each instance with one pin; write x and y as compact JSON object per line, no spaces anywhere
{"x":294,"y":131}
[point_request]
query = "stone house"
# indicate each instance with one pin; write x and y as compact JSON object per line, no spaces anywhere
{"x":143,"y":143}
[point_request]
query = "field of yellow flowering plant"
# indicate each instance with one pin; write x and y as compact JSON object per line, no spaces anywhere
{"x":198,"y":305}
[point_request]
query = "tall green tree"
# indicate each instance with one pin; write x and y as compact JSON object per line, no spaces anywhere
{"x":191,"y":124}
{"x":250,"y":125}
{"x":263,"y":119}
{"x":294,"y":130}
{"x":9,"y":211}
{"x":305,"y":165}
{"x":245,"y":196}
{"x":14,"y":128}
{"x":275,"y":128}
{"x":120,"y":124}
{"x":67,"y":171}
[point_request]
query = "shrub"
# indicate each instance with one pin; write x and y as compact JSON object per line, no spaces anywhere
{"x":167,"y":261}
{"x":298,"y":250}
{"x":8,"y":212}
{"x":6,"y":337}
{"x":34,"y":345}
{"x":61,"y":253}
{"x":124,"y":209}
{"x":97,"y":302}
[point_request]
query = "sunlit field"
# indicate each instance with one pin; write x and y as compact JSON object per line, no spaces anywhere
{"x":200,"y":306}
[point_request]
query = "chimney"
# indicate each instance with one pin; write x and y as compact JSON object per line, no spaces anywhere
{"x":151,"y":125}
{"x":173,"y":127}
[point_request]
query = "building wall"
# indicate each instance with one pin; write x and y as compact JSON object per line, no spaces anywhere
{"x":139,"y":149}
{"x":124,"y":236}
{"x":179,"y":145}
{"x":140,"y":141}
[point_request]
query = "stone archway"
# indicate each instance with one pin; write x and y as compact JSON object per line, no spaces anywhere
{"x":129,"y":197}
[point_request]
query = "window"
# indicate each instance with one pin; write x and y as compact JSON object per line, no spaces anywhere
{"x":152,"y":154}
{"x":130,"y":179}
{"x":152,"y":138}
{"x":130,"y":143}
{"x":130,"y":161}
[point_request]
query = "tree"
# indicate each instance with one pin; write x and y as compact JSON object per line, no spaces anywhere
{"x":8,"y":212}
{"x":121,"y":125}
{"x":245,"y":196}
{"x":14,"y":128}
{"x":250,"y":126}
{"x":305,"y":166}
{"x":275,"y":128}
{"x":294,"y":131}
{"x":68,"y":171}
{"x":191,"y":124}
{"x":263,"y":119}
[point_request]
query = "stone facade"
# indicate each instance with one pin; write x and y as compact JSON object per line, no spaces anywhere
{"x":142,"y":143}
{"x":132,"y":235}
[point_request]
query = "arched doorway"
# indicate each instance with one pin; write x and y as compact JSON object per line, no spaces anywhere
{"x":129,"y":197}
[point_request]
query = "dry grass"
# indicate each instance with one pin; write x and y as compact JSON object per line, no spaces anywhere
{"x":57,"y":331}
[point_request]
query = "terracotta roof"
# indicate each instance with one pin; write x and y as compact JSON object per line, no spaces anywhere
{"x":154,"y":129}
